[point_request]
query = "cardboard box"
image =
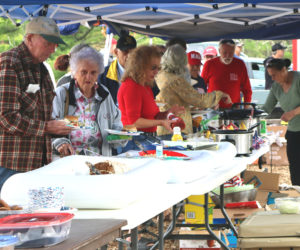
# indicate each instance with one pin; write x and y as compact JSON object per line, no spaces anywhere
{"x":291,"y":193}
{"x":194,"y":211}
{"x":277,"y":155}
{"x":262,"y":197}
{"x":198,"y":244}
{"x":236,"y":213}
{"x":269,"y":181}
{"x":277,"y":128}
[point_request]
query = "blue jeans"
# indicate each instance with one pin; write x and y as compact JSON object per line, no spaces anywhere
{"x":5,"y":173}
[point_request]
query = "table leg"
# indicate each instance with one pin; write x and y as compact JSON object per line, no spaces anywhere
{"x":232,"y":227}
{"x":208,"y":226}
{"x":161,"y":235}
{"x":161,"y":231}
{"x":260,"y":162}
{"x":134,"y":239}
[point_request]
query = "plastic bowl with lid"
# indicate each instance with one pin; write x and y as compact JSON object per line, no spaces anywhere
{"x":288,"y":205}
{"x":37,"y":229}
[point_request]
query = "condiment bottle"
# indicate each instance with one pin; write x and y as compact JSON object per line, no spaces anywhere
{"x":177,"y":134}
{"x":159,"y":151}
{"x":178,"y":122}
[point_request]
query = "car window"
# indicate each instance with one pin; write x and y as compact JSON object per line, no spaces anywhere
{"x":258,"y":70}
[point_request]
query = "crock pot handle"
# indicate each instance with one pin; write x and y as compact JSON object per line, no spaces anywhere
{"x":243,"y":103}
{"x":229,"y":140}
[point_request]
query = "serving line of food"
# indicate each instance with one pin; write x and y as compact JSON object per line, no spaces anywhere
{"x":147,"y":183}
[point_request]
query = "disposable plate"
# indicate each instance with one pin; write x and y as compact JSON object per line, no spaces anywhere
{"x":118,"y":132}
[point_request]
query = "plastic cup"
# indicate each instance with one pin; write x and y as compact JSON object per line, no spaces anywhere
{"x":46,"y":199}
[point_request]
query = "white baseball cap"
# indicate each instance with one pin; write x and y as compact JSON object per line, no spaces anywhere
{"x":45,"y":27}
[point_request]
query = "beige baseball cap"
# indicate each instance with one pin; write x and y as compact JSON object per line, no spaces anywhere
{"x":45,"y":27}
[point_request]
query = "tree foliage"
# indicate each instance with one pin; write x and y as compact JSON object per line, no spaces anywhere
{"x":263,"y":48}
{"x":11,"y":36}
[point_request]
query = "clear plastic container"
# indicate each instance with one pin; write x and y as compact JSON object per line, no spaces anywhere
{"x":8,"y":242}
{"x":5,"y":213}
{"x":288,"y":205}
{"x":37,"y":229}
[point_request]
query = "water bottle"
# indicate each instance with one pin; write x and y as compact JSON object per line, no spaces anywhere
{"x":177,"y":134}
{"x":159,"y":151}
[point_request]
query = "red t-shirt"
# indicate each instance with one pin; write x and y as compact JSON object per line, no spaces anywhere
{"x":136,"y":101}
{"x":231,"y":79}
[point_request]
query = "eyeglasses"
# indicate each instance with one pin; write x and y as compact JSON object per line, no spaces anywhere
{"x":227,"y":41}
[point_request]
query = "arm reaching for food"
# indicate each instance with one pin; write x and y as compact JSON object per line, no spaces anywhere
{"x":65,"y":149}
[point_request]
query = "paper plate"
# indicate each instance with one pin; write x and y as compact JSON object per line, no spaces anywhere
{"x":118,"y":132}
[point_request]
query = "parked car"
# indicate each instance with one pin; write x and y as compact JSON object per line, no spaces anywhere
{"x":256,"y":73}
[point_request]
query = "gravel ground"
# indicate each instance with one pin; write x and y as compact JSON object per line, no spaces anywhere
{"x":174,"y":244}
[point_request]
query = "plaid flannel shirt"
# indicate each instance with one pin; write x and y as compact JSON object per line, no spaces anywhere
{"x":26,"y":94}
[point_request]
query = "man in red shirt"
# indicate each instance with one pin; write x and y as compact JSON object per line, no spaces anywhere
{"x":228,"y":74}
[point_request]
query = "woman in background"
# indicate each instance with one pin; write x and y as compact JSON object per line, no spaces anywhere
{"x":135,"y":97}
{"x":62,"y":63}
{"x":90,"y":102}
{"x":286,"y":90}
{"x":175,"y":88}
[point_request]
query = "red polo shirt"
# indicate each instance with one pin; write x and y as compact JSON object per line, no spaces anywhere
{"x":231,"y":79}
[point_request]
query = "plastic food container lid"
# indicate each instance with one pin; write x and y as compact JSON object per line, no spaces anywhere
{"x":34,"y":220}
{"x":8,"y":240}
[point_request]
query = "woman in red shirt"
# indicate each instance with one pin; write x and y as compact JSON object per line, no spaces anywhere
{"x":135,"y":97}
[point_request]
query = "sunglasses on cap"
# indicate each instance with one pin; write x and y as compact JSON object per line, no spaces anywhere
{"x":227,"y":41}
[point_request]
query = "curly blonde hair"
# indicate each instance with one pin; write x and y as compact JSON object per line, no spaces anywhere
{"x":138,"y":61}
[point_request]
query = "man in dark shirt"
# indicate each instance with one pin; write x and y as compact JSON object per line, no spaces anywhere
{"x":277,"y":52}
{"x":194,"y":65}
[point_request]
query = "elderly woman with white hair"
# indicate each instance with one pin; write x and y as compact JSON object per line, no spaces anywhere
{"x":88,"y":101}
{"x":175,"y":88}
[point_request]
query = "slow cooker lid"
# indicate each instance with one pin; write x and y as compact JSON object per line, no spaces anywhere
{"x":238,"y":114}
{"x":231,"y":132}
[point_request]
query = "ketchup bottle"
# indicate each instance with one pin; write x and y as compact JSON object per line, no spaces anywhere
{"x":178,"y":121}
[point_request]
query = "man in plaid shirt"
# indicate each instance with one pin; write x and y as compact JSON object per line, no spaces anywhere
{"x":26,"y":94}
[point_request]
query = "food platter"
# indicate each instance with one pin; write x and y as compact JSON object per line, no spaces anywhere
{"x":118,"y":132}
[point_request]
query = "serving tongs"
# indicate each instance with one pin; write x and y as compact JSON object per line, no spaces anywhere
{"x":93,"y":169}
{"x":152,"y":138}
{"x":141,"y":147}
